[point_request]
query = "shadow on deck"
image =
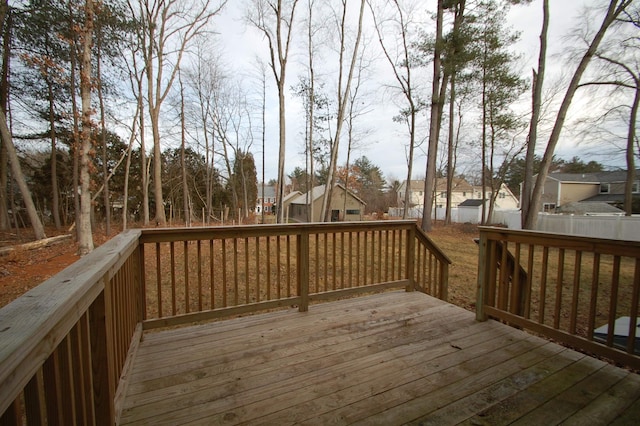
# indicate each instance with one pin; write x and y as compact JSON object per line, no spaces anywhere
{"x":392,"y":358}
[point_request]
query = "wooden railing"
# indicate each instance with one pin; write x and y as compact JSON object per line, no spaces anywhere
{"x":568,"y":288}
{"x":67,"y":344}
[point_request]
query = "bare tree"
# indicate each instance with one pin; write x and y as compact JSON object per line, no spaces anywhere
{"x":275,"y":20}
{"x":615,"y":8}
{"x":536,"y":103}
{"x":434,"y":123}
{"x":7,"y":140}
{"x":343,"y":90}
{"x":168,"y":26}
{"x":399,"y":59}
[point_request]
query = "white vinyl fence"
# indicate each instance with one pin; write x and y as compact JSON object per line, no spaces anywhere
{"x":597,"y":226}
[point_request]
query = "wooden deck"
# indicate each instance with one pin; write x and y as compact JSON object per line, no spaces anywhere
{"x":392,"y":358}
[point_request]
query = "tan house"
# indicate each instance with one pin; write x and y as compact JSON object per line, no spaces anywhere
{"x":298,"y":207}
{"x":561,"y":189}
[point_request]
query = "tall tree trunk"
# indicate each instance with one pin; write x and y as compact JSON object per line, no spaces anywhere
{"x":5,"y":26}
{"x":342,"y":102}
{"x":55,"y":197}
{"x":103,"y":133}
{"x":36,"y":224}
{"x":631,"y":167}
{"x":450,"y":149}
{"x":183,"y":162}
{"x":436,"y":102}
{"x":76,"y":125}
{"x":85,"y":237}
{"x":616,"y":7}
{"x":536,"y":101}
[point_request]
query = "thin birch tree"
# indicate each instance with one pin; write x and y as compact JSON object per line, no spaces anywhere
{"x":275,"y":20}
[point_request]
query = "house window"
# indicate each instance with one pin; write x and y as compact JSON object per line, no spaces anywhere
{"x":464,"y":194}
{"x":604,"y":188}
{"x":443,"y":195}
{"x":502,"y":195}
{"x":635,"y":188}
{"x":549,"y":207}
{"x":420,"y":193}
{"x":353,"y":211}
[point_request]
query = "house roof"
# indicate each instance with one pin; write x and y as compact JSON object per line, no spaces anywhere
{"x":595,"y":178}
{"x":269,"y":191}
{"x":291,"y":196}
{"x":318,"y":192}
{"x":606,"y":198}
{"x":585,"y":207}
{"x":471,"y":203}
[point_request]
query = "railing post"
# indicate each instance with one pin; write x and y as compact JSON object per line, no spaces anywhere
{"x":303,"y":270}
{"x":483,"y":271}
{"x":411,"y":248}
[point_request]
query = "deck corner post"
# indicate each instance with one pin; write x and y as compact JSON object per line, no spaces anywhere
{"x":411,"y":248}
{"x":303,"y":271}
{"x":483,"y":269}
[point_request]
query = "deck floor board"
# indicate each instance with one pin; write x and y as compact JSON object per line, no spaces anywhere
{"x":391,"y":358}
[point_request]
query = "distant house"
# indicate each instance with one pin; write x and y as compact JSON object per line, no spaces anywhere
{"x":460,"y":192}
{"x":268,"y":199}
{"x":561,"y":189}
{"x":299,"y":206}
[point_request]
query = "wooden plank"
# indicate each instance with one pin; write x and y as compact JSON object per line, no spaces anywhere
{"x":489,"y":402}
{"x":619,"y":405}
{"x":580,"y":389}
{"x":452,"y":383}
{"x":575,"y":367}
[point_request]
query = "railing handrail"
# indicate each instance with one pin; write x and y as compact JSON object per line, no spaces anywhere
{"x":34,"y":324}
{"x":566,"y":241}
{"x":234,"y":231}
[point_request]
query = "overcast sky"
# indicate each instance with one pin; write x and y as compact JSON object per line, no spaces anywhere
{"x":385,"y":143}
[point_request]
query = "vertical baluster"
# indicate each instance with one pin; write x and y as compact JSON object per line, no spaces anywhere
{"x":246,"y":270}
{"x":172,"y":249}
{"x":529,"y":288}
{"x":516,"y":290}
{"x":559,"y":284}
{"x":351,"y":260}
{"x":380,"y":262}
{"x":593,"y":301}
{"x":358,"y":259}
{"x":268,"y":261}
{"x":326,"y":261}
{"x":289,"y":265}
{"x":158,"y":281}
{"x":543,"y":284}
{"x":613,"y":302}
{"x":394,"y":275}
{"x":235,"y":272}
{"x":342,"y":255}
{"x":199,"y":265}
{"x":34,"y":401}
{"x":212,"y":284}
{"x":366,"y":259}
{"x":317,"y":261}
{"x":333,"y":260}
{"x":257,"y":269}
{"x":223,"y":242}
{"x":576,"y":292}
{"x":633,"y":312}
{"x":278,"y":272}
{"x":186,"y":277}
{"x":503,"y":290}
